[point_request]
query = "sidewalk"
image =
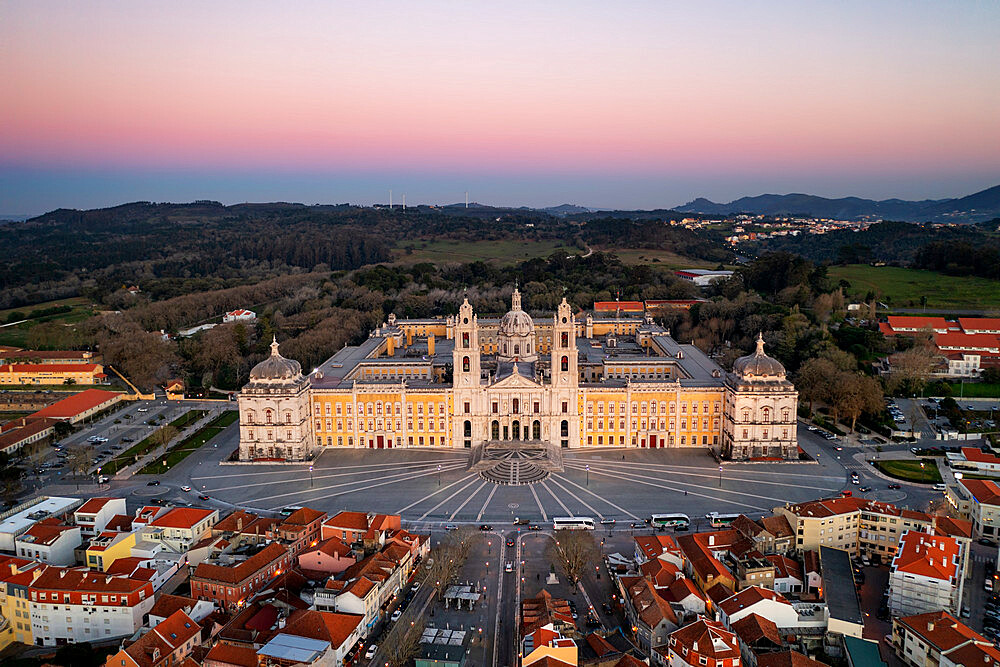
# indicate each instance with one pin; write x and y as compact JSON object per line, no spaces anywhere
{"x":134,"y":468}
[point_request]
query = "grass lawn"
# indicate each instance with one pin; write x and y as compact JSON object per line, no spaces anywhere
{"x":148,"y":443}
{"x":17,"y":335}
{"x":664,"y":258}
{"x":974,"y":390}
{"x":188,"y":445}
{"x":448,"y":250}
{"x":910,"y":470}
{"x":904,"y":287}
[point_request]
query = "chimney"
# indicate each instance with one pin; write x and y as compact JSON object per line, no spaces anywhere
{"x":390,"y":346}
{"x":430,"y":344}
{"x":281,"y":622}
{"x":695,"y":647}
{"x":711,"y":540}
{"x":930,"y":626}
{"x":239,"y":523}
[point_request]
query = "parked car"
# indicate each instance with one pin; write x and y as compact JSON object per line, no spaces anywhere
{"x":395,"y":615}
{"x":370,"y":653}
{"x":450,"y":526}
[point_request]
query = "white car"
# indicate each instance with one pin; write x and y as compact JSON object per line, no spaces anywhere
{"x":509,"y":567}
{"x":185,"y":488}
{"x":395,"y":615}
{"x":370,"y":653}
{"x":416,"y":586}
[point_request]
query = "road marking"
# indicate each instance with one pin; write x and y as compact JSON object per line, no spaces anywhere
{"x":432,"y":494}
{"x":630,"y":478}
{"x":466,"y":501}
{"x":556,"y":498}
{"x":707,"y":475}
{"x":443,"y":501}
{"x":403,"y":477}
{"x":298,"y":470}
{"x":578,"y":499}
{"x":698,"y":472}
{"x":330,"y":476}
{"x":488,"y":499}
{"x":599,"y":497}
{"x":538,"y":502}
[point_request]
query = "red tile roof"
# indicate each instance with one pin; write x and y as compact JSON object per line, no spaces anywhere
{"x":964,"y":341}
{"x":44,"y":534}
{"x":754,"y":627}
{"x":237,"y":656}
{"x":237,"y":573}
{"x":182,"y":517}
{"x":48,"y":368}
{"x":917,"y":322}
{"x":933,"y":556}
{"x":93,"y":506}
{"x":941,"y":630}
{"x":167,"y":604}
{"x":979,"y":323}
{"x":749,"y":597}
{"x":979,"y":456}
{"x":985,"y":491}
{"x":333,"y":627}
{"x":787,"y":659}
{"x":712,"y":639}
{"x":76,"y":404}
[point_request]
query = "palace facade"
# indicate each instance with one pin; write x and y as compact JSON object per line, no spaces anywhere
{"x":613,"y":381}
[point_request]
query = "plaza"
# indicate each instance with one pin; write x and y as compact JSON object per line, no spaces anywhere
{"x":437,"y":486}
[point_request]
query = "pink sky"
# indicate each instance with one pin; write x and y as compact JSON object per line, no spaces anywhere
{"x":744,"y":90}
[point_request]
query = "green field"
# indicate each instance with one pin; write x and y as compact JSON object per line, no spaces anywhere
{"x":974,"y":390}
{"x":148,"y":443}
{"x":505,"y":252}
{"x":188,"y":445}
{"x":17,"y":335}
{"x":903,"y":288}
{"x":664,"y":258}
{"x":911,"y":470}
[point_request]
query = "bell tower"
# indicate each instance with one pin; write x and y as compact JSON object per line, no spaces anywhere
{"x":564,"y":354}
{"x":465,"y":356}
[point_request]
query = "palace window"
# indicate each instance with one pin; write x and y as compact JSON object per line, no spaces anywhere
{"x":268,"y":416}
{"x":468,"y":407}
{"x":465,"y":364}
{"x":766,"y":415}
{"x":515,"y":406}
{"x":564,"y":364}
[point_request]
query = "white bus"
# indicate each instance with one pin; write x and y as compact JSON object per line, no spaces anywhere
{"x":675,"y":521}
{"x":572,"y":523}
{"x":719,"y":520}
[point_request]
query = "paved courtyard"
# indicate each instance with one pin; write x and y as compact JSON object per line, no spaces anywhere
{"x":436,"y":485}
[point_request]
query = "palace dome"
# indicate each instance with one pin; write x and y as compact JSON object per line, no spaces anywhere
{"x":759,"y":364}
{"x":276,"y":367}
{"x":516,"y":323}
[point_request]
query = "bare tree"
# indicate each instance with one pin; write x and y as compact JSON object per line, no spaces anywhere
{"x":402,"y":643}
{"x":859,"y":394}
{"x":575,"y":551}
{"x":911,"y":369}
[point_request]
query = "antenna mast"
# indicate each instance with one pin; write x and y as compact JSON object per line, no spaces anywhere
{"x":390,"y":200}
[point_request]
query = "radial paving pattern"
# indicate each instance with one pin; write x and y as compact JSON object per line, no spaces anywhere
{"x":439,"y":485}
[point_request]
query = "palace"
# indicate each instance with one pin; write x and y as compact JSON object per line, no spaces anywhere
{"x":617,"y":381}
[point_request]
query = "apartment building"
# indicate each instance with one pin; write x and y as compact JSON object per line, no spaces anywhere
{"x":938,"y":639}
{"x":230,"y":583}
{"x":95,"y":514}
{"x":78,"y":605}
{"x":927,"y":574}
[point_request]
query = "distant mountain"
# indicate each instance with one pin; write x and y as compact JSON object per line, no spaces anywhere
{"x":565,"y":209}
{"x":977,"y":207}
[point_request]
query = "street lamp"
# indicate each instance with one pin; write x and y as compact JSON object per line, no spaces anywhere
{"x":310,"y":475}
{"x":720,"y":476}
{"x":588,"y":475}
{"x":439,"y":475}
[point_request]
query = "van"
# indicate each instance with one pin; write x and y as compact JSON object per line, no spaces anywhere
{"x":940,"y":487}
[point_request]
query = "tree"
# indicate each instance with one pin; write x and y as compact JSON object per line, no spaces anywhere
{"x":815,"y":380}
{"x":402,"y":643}
{"x":911,"y":369}
{"x":860,"y":394}
{"x":575,"y":551}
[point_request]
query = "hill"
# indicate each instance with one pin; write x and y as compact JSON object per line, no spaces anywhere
{"x":977,"y":207}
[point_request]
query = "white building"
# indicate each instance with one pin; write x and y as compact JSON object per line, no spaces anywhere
{"x":239,"y":315}
{"x":49,"y":543}
{"x":703,"y":277}
{"x":181,"y":527}
{"x":20,"y":518}
{"x":93,"y":516}
{"x":77,"y":605}
{"x":926,"y":574}
{"x":938,"y":639}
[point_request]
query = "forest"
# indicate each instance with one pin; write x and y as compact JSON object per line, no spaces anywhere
{"x":960,"y":250}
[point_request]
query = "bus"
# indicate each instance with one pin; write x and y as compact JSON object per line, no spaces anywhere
{"x":572,"y":523}
{"x":719,"y":520}
{"x":290,"y":510}
{"x":675,"y":521}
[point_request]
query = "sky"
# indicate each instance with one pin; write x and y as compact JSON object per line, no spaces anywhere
{"x":602,"y":104}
